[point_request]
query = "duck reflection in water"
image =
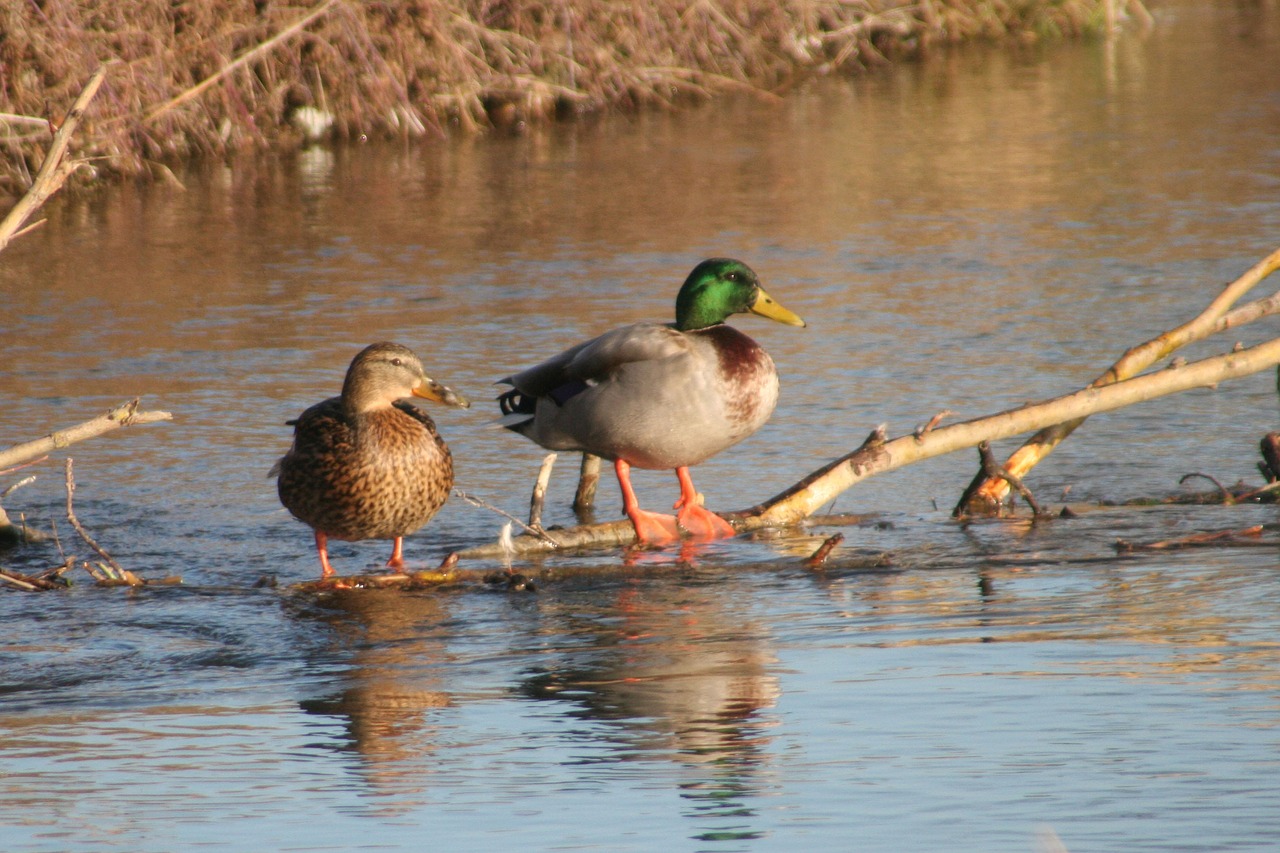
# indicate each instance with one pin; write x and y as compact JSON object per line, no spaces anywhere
{"x":679,"y":674}
{"x":397,"y":648}
{"x":673,"y":670}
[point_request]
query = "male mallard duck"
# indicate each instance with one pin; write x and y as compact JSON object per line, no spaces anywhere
{"x":367,"y":465}
{"x":659,"y":396}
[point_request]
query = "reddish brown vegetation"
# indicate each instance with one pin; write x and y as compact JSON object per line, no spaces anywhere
{"x":209,"y":77}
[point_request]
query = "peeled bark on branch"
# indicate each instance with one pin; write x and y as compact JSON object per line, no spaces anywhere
{"x":988,"y":493}
{"x":877,"y":455}
{"x":53,"y":171}
{"x":126,"y":414}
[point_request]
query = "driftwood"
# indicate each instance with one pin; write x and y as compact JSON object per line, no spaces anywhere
{"x":126,"y":414}
{"x":878,"y":455}
{"x":54,"y":171}
{"x":987,"y":493}
{"x":27,"y":453}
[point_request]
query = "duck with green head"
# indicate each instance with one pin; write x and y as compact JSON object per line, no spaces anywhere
{"x":659,"y":396}
{"x":367,"y":464}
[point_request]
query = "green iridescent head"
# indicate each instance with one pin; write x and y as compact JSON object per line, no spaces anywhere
{"x":719,"y":287}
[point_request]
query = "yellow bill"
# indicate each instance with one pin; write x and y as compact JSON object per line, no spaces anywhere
{"x":765,"y":306}
{"x":433,"y":390}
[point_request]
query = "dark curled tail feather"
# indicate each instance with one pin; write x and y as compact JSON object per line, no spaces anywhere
{"x":515,"y":403}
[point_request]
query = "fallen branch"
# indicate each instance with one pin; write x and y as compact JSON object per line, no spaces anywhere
{"x":126,"y":414}
{"x":53,"y":171}
{"x":877,"y":455}
{"x":988,"y":493}
{"x":477,"y":502}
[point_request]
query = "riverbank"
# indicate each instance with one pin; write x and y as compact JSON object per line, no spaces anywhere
{"x":210,"y":78}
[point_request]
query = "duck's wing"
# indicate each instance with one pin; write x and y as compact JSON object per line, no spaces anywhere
{"x":598,"y":359}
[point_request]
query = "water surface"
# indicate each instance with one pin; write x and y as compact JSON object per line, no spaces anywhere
{"x":985,"y":228}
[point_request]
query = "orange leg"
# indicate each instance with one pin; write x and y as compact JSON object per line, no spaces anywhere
{"x":322,"y":548}
{"x":397,"y":555}
{"x":651,"y":527}
{"x":702,"y":523}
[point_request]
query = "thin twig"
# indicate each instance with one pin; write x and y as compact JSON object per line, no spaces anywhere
{"x":1228,"y":538}
{"x":921,"y":432}
{"x":27,"y":464}
{"x":25,"y":481}
{"x":474,"y":501}
{"x":1257,"y":493}
{"x":121,"y":574}
{"x":1227,"y":498}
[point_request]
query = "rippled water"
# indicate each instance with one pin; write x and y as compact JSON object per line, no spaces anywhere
{"x":982,"y":229}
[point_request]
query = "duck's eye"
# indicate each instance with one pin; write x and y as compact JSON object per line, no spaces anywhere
{"x":733,"y":276}
{"x":398,"y":362}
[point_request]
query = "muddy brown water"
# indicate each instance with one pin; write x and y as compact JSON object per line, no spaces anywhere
{"x":986,"y":228}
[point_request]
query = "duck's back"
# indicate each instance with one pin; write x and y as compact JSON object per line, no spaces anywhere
{"x":651,"y":395}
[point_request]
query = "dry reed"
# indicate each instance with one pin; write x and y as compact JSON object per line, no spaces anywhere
{"x":204,"y":77}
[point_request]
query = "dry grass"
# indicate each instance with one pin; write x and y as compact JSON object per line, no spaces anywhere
{"x":207,"y":77}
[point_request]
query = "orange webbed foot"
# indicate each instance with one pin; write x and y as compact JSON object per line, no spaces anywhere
{"x":653,"y":528}
{"x":704,"y":524}
{"x":701,"y":523}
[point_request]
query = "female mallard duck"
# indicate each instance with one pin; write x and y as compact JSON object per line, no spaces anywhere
{"x":659,"y":396}
{"x":367,"y":465}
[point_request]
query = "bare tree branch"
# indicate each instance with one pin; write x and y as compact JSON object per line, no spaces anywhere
{"x":990,"y":491}
{"x":126,"y":414}
{"x":53,"y":172}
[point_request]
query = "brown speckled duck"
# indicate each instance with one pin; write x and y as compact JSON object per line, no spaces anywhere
{"x":659,"y":396}
{"x":366,"y":464}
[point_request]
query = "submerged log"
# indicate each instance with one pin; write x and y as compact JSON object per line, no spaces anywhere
{"x":1245,"y":537}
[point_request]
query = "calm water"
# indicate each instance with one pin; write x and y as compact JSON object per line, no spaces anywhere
{"x":970,"y":233}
